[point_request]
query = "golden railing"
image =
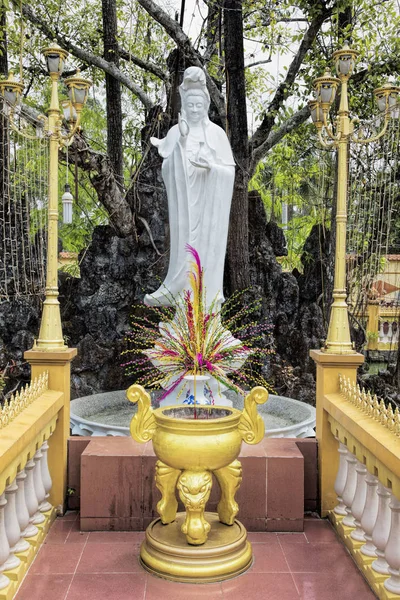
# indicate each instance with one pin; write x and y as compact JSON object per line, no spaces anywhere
{"x":370,"y":405}
{"x":31,"y":460}
{"x":362,"y":442}
{"x":22,"y":399}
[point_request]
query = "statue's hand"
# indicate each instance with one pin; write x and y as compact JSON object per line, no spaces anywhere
{"x":155,"y":141}
{"x":202,"y":163}
{"x":183,"y":127}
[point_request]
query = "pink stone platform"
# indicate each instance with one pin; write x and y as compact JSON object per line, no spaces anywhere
{"x":113,"y":484}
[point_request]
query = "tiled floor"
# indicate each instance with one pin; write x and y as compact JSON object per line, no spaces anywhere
{"x":71,"y":565}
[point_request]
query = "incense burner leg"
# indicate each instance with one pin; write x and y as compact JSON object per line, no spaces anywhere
{"x":194,"y":490}
{"x":166,"y":478}
{"x":229,"y":479}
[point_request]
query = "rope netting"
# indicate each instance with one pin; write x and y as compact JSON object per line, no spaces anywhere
{"x":24,"y":159}
{"x":373,"y":200}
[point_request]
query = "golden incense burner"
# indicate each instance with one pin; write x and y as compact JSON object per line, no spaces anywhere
{"x":192,"y":444}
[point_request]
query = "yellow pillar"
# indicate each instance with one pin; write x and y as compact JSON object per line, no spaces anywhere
{"x":338,"y":340}
{"x":329,"y":367}
{"x":58,"y":365}
{"x":373,"y":324}
{"x":50,"y":334}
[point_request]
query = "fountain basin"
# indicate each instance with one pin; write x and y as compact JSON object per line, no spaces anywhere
{"x":110,"y":413}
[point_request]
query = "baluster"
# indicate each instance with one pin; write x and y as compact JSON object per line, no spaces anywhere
{"x":13,"y":530}
{"x":370,"y":514}
{"x":350,"y":489}
{"x":12,"y":561}
{"x":392,"y":550}
{"x":37,"y":479}
{"x":46,"y":478}
{"x":340,"y":481}
{"x":4,"y":545}
{"x":28,"y":530}
{"x":381,"y":530}
{"x":32,"y":504}
{"x":358,"y":505}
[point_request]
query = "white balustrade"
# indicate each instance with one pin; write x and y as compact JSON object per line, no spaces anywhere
{"x":12,"y":561}
{"x":46,"y":478}
{"x":27,"y":528}
{"x":4,"y":545}
{"x":358,"y":505}
{"x":350,"y":489}
{"x":340,"y":481}
{"x":32,"y":503}
{"x":38,"y":482}
{"x":381,"y":530}
{"x":370,"y":514}
{"x":13,"y":530}
{"x":392,"y":550}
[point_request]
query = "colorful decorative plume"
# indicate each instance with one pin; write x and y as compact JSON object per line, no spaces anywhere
{"x":167,"y":343}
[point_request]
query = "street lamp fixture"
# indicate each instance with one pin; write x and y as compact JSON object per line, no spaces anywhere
{"x":338,"y":340}
{"x":386,"y":98}
{"x":70,"y":114}
{"x":325,"y":90}
{"x":345,"y":62}
{"x":78,"y":89}
{"x":55,"y":60}
{"x":67,"y":200}
{"x":11,"y":89}
{"x":50,"y":335}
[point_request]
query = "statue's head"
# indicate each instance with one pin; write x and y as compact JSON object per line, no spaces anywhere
{"x":194,"y":95}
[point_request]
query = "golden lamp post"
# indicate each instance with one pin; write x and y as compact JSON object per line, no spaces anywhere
{"x":50,"y":335}
{"x":338,"y":340}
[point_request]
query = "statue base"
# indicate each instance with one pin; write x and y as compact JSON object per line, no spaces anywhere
{"x":166,"y":553}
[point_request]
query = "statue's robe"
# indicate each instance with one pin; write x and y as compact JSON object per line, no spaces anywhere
{"x":199,"y":202}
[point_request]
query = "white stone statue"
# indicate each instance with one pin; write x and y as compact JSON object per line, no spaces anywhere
{"x":198,"y":171}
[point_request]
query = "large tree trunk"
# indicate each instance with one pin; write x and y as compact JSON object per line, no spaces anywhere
{"x":113,"y":89}
{"x":3,"y":41}
{"x":238,"y":241}
{"x":4,"y":157}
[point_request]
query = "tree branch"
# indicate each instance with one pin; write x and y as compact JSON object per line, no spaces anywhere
{"x":392,"y":65}
{"x":86,"y":56}
{"x":276,"y":135}
{"x":147,"y":66}
{"x":176,"y":32}
{"x":104,"y":181}
{"x":258,"y":62}
{"x":263,"y":131}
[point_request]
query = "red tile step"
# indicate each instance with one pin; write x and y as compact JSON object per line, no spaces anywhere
{"x":313,"y":565}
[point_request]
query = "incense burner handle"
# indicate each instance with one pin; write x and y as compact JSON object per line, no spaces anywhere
{"x":251,"y":425}
{"x":143,"y":424}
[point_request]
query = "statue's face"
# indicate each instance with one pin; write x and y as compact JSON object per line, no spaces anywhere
{"x":195,"y":108}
